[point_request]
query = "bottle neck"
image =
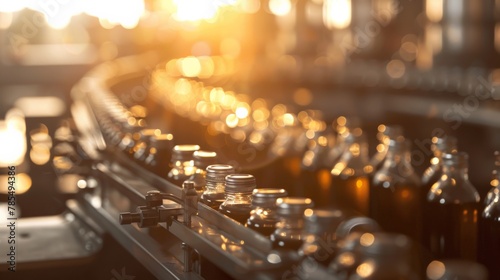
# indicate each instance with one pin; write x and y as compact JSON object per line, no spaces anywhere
{"x":456,"y":171}
{"x":214,"y":187}
{"x":238,"y":198}
{"x":399,"y":155}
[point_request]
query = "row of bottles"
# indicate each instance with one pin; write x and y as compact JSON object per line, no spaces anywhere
{"x":441,"y":210}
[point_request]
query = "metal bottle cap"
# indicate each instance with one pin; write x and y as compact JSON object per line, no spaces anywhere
{"x":293,"y":206}
{"x":216,"y":173}
{"x":240,"y":183}
{"x":184,"y":152}
{"x":202,"y":159}
{"x":266,"y":197}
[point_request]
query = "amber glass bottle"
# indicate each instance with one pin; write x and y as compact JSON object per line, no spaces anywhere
{"x":263,"y":216}
{"x":158,"y":154}
{"x":489,"y":226}
{"x":181,"y":163}
{"x":238,"y":193}
{"x":384,"y":135}
{"x":451,"y":212}
{"x":289,"y":233}
{"x":495,"y":181}
{"x":202,"y":159}
{"x":315,"y":178}
{"x":213,"y":195}
{"x":440,"y":146}
{"x":350,"y":183}
{"x":395,"y":192}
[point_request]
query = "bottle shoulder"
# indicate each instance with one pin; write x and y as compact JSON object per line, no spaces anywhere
{"x":492,"y":211}
{"x":396,"y":175}
{"x":449,"y":190}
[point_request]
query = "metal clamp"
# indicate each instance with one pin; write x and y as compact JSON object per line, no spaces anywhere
{"x":154,"y":212}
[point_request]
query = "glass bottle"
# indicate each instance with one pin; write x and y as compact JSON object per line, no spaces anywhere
{"x":489,"y":228}
{"x":350,"y":183}
{"x":344,"y":127}
{"x":289,"y":233}
{"x":158,"y":154}
{"x":383,"y":256}
{"x":285,"y":152}
{"x":263,"y":217}
{"x":202,"y":159}
{"x":440,"y":146}
{"x":395,"y":192}
{"x":238,"y":193}
{"x":495,"y":181}
{"x":451,"y":212}
{"x":384,"y":135}
{"x":181,"y":163}
{"x":141,"y":145}
{"x":130,"y":137}
{"x":213,"y":195}
{"x":315,"y":178}
{"x":320,"y":242}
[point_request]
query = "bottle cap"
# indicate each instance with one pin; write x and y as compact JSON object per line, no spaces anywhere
{"x":184,"y":152}
{"x":266,"y":197}
{"x":293,"y":206}
{"x":240,"y":183}
{"x":202,"y":159}
{"x":322,"y":221}
{"x":216,"y":173}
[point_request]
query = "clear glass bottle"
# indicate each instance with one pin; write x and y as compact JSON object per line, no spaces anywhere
{"x":440,"y":146}
{"x":350,"y":176}
{"x":263,"y":217}
{"x":289,"y":233}
{"x":202,"y":159}
{"x":495,"y":181}
{"x":451,"y":212}
{"x":384,"y":135}
{"x":320,"y":242}
{"x":182,"y":163}
{"x":382,"y":256}
{"x":395,"y":192}
{"x":238,"y":193}
{"x":158,"y":154}
{"x":214,"y":193}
